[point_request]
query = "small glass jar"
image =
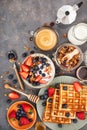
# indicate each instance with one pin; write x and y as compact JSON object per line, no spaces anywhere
{"x":40,"y":126}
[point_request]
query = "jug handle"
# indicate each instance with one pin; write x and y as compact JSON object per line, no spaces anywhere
{"x":77,"y":6}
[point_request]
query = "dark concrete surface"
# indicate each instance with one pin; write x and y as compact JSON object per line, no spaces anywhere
{"x":17,"y":17}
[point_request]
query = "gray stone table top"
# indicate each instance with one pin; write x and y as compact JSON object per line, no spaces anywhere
{"x":17,"y":18}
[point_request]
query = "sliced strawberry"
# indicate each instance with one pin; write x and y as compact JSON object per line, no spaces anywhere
{"x":38,"y":78}
{"x":12,"y":115}
{"x":29,"y":61}
{"x":13,"y":95}
{"x":26,"y":107}
{"x":77,"y":86}
{"x":24,"y":75}
{"x":25,"y":68}
{"x":81,"y":115}
{"x":24,"y":121}
{"x":43,"y":81}
{"x":51,"y":91}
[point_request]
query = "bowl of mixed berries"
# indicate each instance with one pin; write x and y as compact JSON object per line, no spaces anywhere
{"x":21,"y":115}
{"x":37,"y":70}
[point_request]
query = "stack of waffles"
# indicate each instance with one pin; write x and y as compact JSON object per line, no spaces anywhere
{"x":63,"y":105}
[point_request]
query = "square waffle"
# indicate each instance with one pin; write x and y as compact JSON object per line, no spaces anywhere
{"x":75,"y":101}
{"x":48,"y":117}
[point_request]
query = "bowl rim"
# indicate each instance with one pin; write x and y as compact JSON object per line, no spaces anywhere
{"x":61,"y":66}
{"x":19,"y":102}
{"x":53,"y":73}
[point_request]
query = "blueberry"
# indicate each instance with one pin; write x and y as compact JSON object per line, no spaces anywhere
{"x":43,"y":74}
{"x":42,"y":97}
{"x":46,"y":92}
{"x":37,"y":83}
{"x":19,"y":111}
{"x":11,"y":56}
{"x":40,"y":59}
{"x":43,"y":103}
{"x":67,"y":114}
{"x":44,"y":60}
{"x":41,"y":67}
{"x":47,"y":64}
{"x":64,"y":87}
{"x":31,"y":69}
{"x":37,"y":58}
{"x":75,"y":120}
{"x":9,"y":101}
{"x":17,"y":117}
{"x":19,"y":106}
{"x":20,"y":115}
{"x":60,"y":125}
{"x":50,"y":100}
{"x":36,"y":67}
{"x":45,"y":96}
{"x":40,"y":72}
{"x":14,"y":81}
{"x":34,"y":60}
{"x":32,"y":52}
{"x":24,"y":54}
{"x":64,"y":105}
{"x":10,"y":76}
{"x":30,"y":119}
{"x":57,"y":85}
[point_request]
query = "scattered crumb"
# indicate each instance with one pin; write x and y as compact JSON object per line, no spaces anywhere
{"x":26,"y":47}
{"x":19,"y":63}
{"x":46,"y":24}
{"x":7,"y":109}
{"x":65,"y":35}
{"x":5,"y":95}
{"x":31,"y":38}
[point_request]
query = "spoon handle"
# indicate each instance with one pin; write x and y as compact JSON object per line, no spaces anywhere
{"x":18,"y":77}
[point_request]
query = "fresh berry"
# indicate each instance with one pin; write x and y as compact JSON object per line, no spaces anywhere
{"x":30,"y":119}
{"x":36,"y":67}
{"x":40,"y":72}
{"x":60,"y":125}
{"x":38,"y":78}
{"x":14,"y":81}
{"x":42,"y":81}
{"x":9,"y":101}
{"x":46,"y":92}
{"x":32,"y":52}
{"x":43,"y":103}
{"x":42,"y":97}
{"x":12,"y":55}
{"x":24,"y":75}
{"x":25,"y":68}
{"x":10,"y":76}
{"x":29,"y":61}
{"x":64,"y":105}
{"x":26,"y":107}
{"x":41,"y":67}
{"x":81,"y":115}
{"x":52,"y":24}
{"x":19,"y":106}
{"x":64,"y":87}
{"x":13,"y":95}
{"x":75,"y":120}
{"x":51,"y":91}
{"x":77,"y":86}
{"x":50,"y":100}
{"x":24,"y":54}
{"x":67,"y":114}
{"x":46,"y":96}
{"x":44,"y":60}
{"x":12,"y":114}
{"x":24,"y":121}
{"x":43,"y":74}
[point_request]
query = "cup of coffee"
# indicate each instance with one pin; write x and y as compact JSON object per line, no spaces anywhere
{"x":45,"y":38}
{"x":81,"y":73}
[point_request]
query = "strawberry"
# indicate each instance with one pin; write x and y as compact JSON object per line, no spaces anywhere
{"x":51,"y":91}
{"x":24,"y":121}
{"x":29,"y":61}
{"x":43,"y":81}
{"x":80,"y":115}
{"x":25,"y":68}
{"x":77,"y":86}
{"x":12,"y":115}
{"x":26,"y":107}
{"x":24,"y":75}
{"x":13,"y":95}
{"x":38,"y":78}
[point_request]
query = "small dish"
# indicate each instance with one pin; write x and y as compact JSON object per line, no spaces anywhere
{"x":12,"y":116}
{"x":37,"y":70}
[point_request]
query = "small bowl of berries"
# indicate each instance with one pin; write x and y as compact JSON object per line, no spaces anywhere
{"x":21,"y":115}
{"x":37,"y":70}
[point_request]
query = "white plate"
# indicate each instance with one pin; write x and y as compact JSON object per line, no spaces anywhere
{"x":40,"y":108}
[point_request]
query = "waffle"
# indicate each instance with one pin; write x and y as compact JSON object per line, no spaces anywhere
{"x":60,"y":112}
{"x":75,"y":101}
{"x":47,"y":117}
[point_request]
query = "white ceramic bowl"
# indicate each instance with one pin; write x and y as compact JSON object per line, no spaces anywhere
{"x":52,"y":71}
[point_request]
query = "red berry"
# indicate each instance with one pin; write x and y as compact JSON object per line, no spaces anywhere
{"x":80,"y":115}
{"x":38,"y":78}
{"x":77,"y":86}
{"x":24,"y":75}
{"x":51,"y":91}
{"x":26,"y":107}
{"x":29,"y":61}
{"x":13,"y":95}
{"x":12,"y":114}
{"x":25,"y":68}
{"x":24,"y":121}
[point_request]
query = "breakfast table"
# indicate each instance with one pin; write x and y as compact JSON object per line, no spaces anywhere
{"x":18,"y":18}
